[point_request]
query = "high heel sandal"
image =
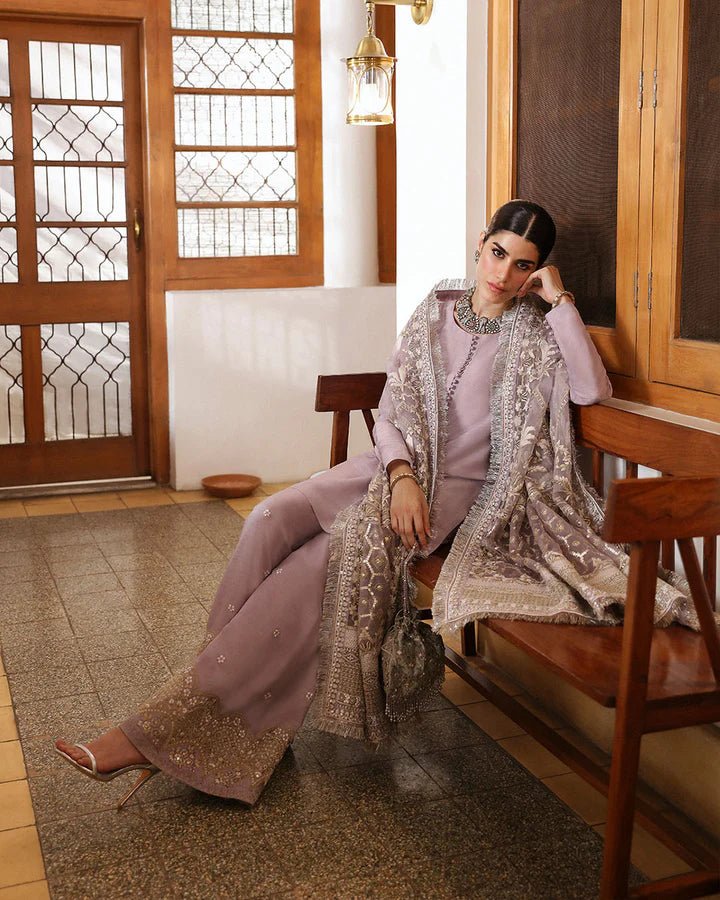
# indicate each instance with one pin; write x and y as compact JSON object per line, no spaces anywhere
{"x":147,"y":770}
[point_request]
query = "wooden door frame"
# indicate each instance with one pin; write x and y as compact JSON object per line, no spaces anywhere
{"x":153,"y":22}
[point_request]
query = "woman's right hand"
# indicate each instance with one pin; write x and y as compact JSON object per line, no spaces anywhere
{"x":409,"y":514}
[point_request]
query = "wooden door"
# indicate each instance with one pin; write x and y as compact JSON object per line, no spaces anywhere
{"x":685,"y":316}
{"x":73,"y":382}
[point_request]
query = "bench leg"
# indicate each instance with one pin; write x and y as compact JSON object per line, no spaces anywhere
{"x":468,"y":643}
{"x":629,"y":719}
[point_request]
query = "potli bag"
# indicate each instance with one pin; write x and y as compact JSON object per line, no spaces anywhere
{"x":412,"y":656}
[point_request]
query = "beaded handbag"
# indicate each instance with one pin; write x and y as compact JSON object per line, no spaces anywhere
{"x":412,"y":657}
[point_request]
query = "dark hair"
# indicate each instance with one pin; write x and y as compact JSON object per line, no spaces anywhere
{"x":527,"y":219}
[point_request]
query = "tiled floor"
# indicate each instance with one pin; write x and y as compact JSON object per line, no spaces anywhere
{"x":101,"y":599}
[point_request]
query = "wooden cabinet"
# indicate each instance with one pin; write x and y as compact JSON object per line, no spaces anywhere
{"x":609,"y":115}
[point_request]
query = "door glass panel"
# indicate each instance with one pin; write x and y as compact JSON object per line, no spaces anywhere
{"x":237,"y":232}
{"x":82,"y":254}
{"x":4,"y":69}
{"x":8,"y":256}
{"x":60,"y":71}
{"x":7,"y":194}
{"x":567,"y":138}
{"x":70,"y":133}
{"x":700,"y":280}
{"x":209,"y":62}
{"x":75,"y":194}
{"x":86,"y":380}
{"x":214,"y":176}
{"x":227,"y":119}
{"x":6,"y":139}
{"x":12,"y":418}
{"x":233,"y":15}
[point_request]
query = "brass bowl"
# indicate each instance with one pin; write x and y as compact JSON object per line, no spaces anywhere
{"x":231,"y":485}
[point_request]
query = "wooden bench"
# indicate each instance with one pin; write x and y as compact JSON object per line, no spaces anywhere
{"x":656,"y":679}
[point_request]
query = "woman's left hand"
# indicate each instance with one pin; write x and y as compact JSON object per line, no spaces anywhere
{"x":546,"y":283}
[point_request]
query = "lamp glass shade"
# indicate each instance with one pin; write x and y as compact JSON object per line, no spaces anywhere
{"x":370,"y":90}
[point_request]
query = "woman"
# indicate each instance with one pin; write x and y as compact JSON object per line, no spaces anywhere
{"x":322,"y":558}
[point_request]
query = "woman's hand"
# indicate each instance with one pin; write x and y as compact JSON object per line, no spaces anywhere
{"x":409,"y":515}
{"x":546,"y":283}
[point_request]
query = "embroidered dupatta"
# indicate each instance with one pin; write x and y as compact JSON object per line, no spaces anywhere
{"x":529,"y":547}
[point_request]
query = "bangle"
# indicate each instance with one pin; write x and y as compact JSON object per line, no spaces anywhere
{"x":560,"y":294}
{"x":394,"y":480}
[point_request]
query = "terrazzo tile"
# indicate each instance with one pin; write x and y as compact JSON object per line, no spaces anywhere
{"x":142,"y":561}
{"x":17,"y":612}
{"x":75,"y":567}
{"x":115,"y":646}
{"x":131,"y":879}
{"x":61,"y":680}
{"x":76,"y":845}
{"x":149,"y":670}
{"x":435,"y":827}
{"x":335,"y":752}
{"x":395,"y":781}
{"x":472,"y":770}
{"x":203,"y":580}
{"x":224,"y":873}
{"x":439,"y":729}
{"x":328,"y":852}
{"x":111,"y":619}
{"x":192,"y":556}
{"x":296,"y":800}
{"x":94,"y":605}
{"x":387,"y":880}
{"x":64,"y":538}
{"x":86,"y":584}
{"x":15,"y":540}
{"x":155,"y":588}
{"x":172,"y":615}
{"x":58,"y":716}
{"x":67,"y":793}
{"x":49,"y":630}
{"x":121,"y":702}
{"x":201,"y":822}
{"x":14,"y":558}
{"x":472,"y":875}
{"x":38,"y":573}
{"x":525,"y":812}
{"x":85,"y":553}
{"x":39,"y":653}
{"x":42,"y":589}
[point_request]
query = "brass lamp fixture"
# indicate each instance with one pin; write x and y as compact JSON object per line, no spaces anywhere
{"x":370,"y":71}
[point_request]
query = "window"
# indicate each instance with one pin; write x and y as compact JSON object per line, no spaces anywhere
{"x":247,"y":144}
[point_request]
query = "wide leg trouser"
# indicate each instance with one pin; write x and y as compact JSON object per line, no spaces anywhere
{"x":223,"y":724}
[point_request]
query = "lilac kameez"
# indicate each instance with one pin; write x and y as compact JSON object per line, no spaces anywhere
{"x":223,"y":724}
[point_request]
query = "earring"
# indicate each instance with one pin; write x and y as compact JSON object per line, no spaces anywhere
{"x":477,"y":255}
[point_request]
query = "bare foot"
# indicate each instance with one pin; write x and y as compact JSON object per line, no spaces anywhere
{"x":112,"y":750}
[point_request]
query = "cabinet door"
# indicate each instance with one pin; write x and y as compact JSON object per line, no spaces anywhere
{"x":685,"y":316}
{"x":577,"y":151}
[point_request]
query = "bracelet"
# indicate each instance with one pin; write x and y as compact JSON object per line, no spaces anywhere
{"x":560,"y":294}
{"x":394,"y":480}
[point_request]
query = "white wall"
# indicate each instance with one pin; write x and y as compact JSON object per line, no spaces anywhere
{"x":243,"y":364}
{"x":441,"y":89}
{"x":243,"y":369}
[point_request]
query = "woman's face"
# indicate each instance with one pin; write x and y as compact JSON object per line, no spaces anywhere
{"x":506,"y":261}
